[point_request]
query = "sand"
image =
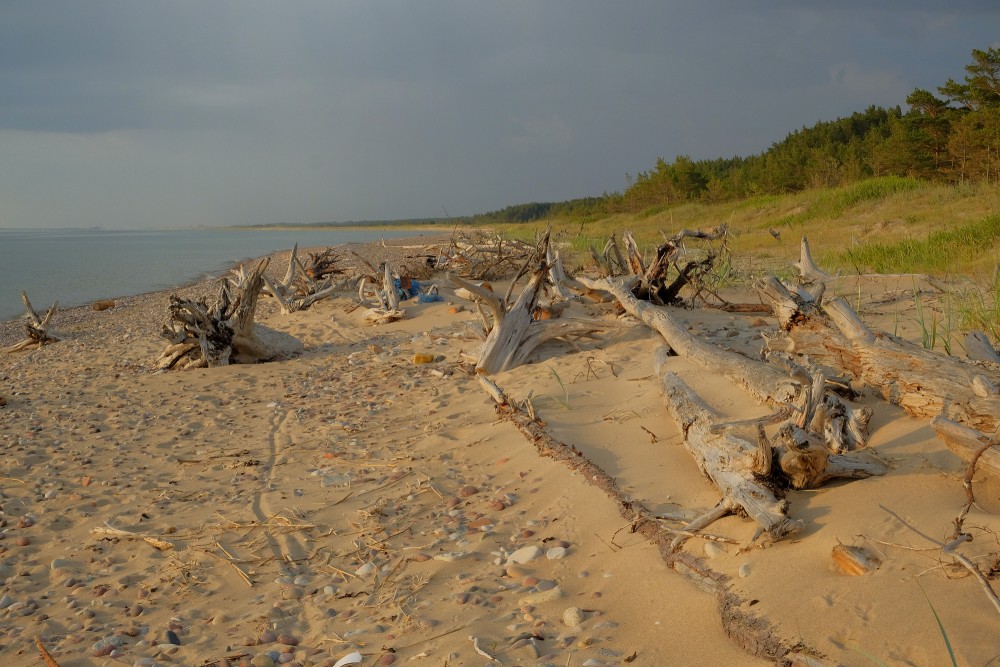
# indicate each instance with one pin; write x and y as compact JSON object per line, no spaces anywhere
{"x":349,"y":500}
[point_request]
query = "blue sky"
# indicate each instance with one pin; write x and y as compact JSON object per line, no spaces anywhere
{"x":131,"y":114}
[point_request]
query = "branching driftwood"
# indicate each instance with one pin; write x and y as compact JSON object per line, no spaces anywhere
{"x":516,"y":330}
{"x":202,"y":336}
{"x":751,"y":473}
{"x":36,"y":329}
{"x":305,"y":284}
{"x":922,"y":382}
{"x":380,"y":296}
{"x":844,"y":427}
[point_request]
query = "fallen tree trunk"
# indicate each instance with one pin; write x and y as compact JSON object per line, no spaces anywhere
{"x":751,"y":475}
{"x":922,"y":382}
{"x":36,"y":329}
{"x":844,"y":427}
{"x":731,"y":463}
{"x":966,"y":442}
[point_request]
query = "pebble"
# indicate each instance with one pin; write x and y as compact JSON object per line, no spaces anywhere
{"x":387,"y":659}
{"x":745,"y":570}
{"x":366,"y":570}
{"x":262,"y":660}
{"x":555,"y":553}
{"x":713,"y":550}
{"x":524,"y":555}
{"x":573,"y":616}
{"x":108,"y":644}
{"x":467,"y":491}
{"x":450,"y":556}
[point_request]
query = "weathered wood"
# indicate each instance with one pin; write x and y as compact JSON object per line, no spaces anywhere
{"x":303,"y":285}
{"x":515,"y":331}
{"x":979,"y":348}
{"x":844,"y":427}
{"x":36,"y":329}
{"x":923,"y":382}
{"x":763,"y":381}
{"x":964,"y":442}
{"x":205,"y":336}
{"x":725,"y":459}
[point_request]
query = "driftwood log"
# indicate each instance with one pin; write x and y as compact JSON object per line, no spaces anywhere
{"x":36,"y":329}
{"x":752,"y":473}
{"x":203,"y":336}
{"x":844,"y":427}
{"x":923,"y":382}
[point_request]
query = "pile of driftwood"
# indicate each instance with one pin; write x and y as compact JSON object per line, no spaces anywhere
{"x":654,"y":281}
{"x":36,"y":329}
{"x":479,"y":255}
{"x":307,"y":282}
{"x":514,"y":328}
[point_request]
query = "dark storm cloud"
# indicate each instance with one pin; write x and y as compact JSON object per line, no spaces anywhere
{"x":131,"y":113}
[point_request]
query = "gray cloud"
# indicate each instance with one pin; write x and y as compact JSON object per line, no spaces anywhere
{"x":127,"y":113}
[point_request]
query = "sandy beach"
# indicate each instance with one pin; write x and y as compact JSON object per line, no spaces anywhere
{"x":350,"y":500}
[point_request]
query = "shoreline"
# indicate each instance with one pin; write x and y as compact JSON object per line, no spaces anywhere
{"x":10,"y":328}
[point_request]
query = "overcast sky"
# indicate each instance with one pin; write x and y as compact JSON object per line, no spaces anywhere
{"x":145,"y":113}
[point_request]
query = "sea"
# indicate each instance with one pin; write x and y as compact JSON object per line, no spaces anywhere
{"x":77,"y":266}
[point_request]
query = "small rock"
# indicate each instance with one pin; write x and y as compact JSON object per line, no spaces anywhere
{"x":106,"y":645}
{"x":467,"y":491}
{"x":524,"y":555}
{"x":745,"y":570}
{"x":262,"y":660}
{"x":555,"y":553}
{"x":713,"y":550}
{"x":366,"y":570}
{"x":573,"y":616}
{"x":387,"y":659}
{"x":542,"y":596}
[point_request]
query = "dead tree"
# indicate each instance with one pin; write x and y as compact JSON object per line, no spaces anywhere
{"x":204,"y":336}
{"x":923,"y":382}
{"x":36,"y":329}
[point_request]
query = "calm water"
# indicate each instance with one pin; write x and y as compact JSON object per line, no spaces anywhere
{"x":78,"y":266}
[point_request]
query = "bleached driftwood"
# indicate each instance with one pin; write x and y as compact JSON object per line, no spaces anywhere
{"x":979,"y":348}
{"x":203,"y":336}
{"x":304,"y":285}
{"x":730,"y":462}
{"x":745,"y":471}
{"x":844,"y":426}
{"x":36,"y":329}
{"x":923,"y":382}
{"x":381,"y":297}
{"x":965,"y":442}
{"x":515,"y":331}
